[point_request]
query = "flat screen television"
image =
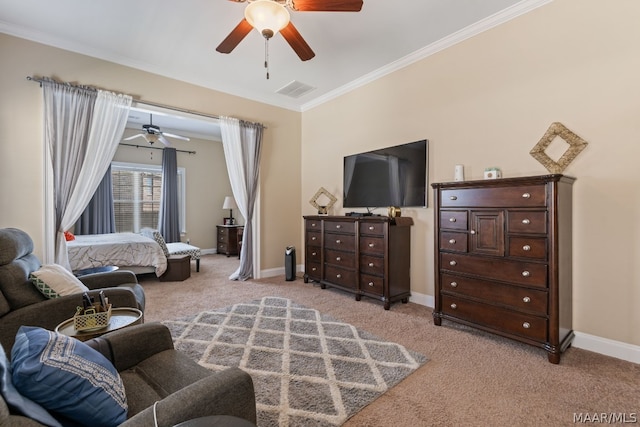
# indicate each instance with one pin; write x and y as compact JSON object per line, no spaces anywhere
{"x":393,"y":176}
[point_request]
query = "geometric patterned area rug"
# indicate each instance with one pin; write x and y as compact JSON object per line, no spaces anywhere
{"x":308,"y":369}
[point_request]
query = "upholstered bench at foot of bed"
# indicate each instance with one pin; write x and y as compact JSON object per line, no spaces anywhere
{"x":179,"y":248}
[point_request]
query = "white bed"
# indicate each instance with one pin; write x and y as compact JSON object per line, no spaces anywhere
{"x":128,"y":251}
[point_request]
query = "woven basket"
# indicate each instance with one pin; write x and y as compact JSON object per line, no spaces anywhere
{"x":93,"y":321}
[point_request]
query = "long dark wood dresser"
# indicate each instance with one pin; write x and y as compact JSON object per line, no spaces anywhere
{"x":365,"y":255}
{"x":503,"y":258}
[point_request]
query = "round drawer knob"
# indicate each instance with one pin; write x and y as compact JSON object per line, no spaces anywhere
{"x":526,"y":248}
{"x":370,"y":284}
{"x":454,"y":305}
{"x":453,"y":197}
{"x":526,"y":299}
{"x":454,"y":284}
{"x":313,"y":269}
{"x":338,"y":241}
{"x":338,"y":276}
{"x":526,"y":274}
{"x":452,"y":262}
{"x":338,"y":226}
{"x":313,"y":224}
{"x":472,"y":231}
{"x":526,"y":325}
{"x":338,"y":258}
{"x":452,"y":241}
{"x":371,"y":228}
{"x":371,"y":245}
{"x":371,"y":264}
{"x":313,"y":238}
{"x":314,"y":253}
{"x":452,"y":220}
{"x":526,"y":195}
{"x":526,"y":221}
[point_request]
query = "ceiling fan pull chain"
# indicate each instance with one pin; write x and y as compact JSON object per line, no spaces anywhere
{"x":266,"y":55}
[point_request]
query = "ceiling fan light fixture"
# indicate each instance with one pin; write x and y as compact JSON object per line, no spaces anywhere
{"x":151,"y":138}
{"x":267,"y":17}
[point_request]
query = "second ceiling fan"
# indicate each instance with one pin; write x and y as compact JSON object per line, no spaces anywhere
{"x":271,"y":16}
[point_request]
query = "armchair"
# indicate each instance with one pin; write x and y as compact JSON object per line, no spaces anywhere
{"x":22,"y":304}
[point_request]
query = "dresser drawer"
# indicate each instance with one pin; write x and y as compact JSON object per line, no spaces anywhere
{"x":312,"y":270}
{"x":342,"y":259}
{"x":340,"y":276}
{"x":222,"y":247}
{"x":495,"y":197}
{"x":530,"y":300}
{"x":313,"y":253}
{"x":454,"y":220}
{"x":372,"y":265}
{"x":450,"y":241}
{"x":533,"y":222}
{"x":528,"y":247}
{"x":520,"y":272}
{"x":340,"y":226}
{"x":372,"y":245}
{"x":313,"y":238}
{"x":500,"y":319}
{"x":312,"y":224}
{"x":372,"y":284}
{"x":374,"y":228}
{"x":343,"y":242}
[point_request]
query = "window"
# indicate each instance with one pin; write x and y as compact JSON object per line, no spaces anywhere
{"x":137,"y":190}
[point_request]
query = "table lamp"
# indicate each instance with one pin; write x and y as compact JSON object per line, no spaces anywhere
{"x":229,"y":203}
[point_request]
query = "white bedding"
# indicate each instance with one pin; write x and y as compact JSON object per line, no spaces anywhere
{"x":120,"y":249}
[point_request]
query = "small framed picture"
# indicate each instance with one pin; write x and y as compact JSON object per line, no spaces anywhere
{"x":228,"y":221}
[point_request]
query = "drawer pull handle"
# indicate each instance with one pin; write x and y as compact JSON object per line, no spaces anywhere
{"x":370,"y":264}
{"x":472,"y":231}
{"x":452,"y":241}
{"x":452,"y":220}
{"x":453,"y":197}
{"x":338,"y":241}
{"x":454,"y":305}
{"x":453,"y":262}
{"x":526,"y":274}
{"x":526,"y":325}
{"x":526,"y":299}
{"x":526,"y":221}
{"x":338,"y":276}
{"x":526,"y":195}
{"x":338,"y":226}
{"x":526,"y":248}
{"x":370,"y":284}
{"x":313,"y":238}
{"x":313,"y":269}
{"x":371,"y":227}
{"x":313,"y":224}
{"x":454,"y":284}
{"x":371,"y":245}
{"x":314,"y":253}
{"x":337,"y":258}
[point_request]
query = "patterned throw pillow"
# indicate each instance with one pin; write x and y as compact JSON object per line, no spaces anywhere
{"x":55,"y":281}
{"x":68,"y":378}
{"x":155,"y":235}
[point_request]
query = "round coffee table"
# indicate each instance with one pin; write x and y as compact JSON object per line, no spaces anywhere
{"x":120,"y":318}
{"x":216,"y":421}
{"x":93,"y":270}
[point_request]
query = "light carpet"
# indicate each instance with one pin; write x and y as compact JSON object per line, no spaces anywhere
{"x":308,"y":369}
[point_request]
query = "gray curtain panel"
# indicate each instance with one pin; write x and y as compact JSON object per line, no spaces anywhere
{"x":169,"y":224}
{"x":99,"y":216}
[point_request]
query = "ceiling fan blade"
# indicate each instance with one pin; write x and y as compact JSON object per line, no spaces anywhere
{"x":297,"y":43}
{"x":235,"y":37}
{"x":164,"y":140}
{"x":133,"y":137}
{"x":327,"y":5}
{"x":184,"y":138}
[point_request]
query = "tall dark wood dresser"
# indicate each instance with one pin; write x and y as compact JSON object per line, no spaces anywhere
{"x":503,"y":258}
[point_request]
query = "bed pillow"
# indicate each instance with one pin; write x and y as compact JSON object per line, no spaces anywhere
{"x":155,"y":235}
{"x":19,"y":403}
{"x":68,"y":378}
{"x":55,"y":281}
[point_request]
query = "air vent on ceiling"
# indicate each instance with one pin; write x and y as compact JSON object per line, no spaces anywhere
{"x":295,"y":89}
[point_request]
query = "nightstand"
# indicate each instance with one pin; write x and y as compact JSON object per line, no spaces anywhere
{"x":227,"y":239}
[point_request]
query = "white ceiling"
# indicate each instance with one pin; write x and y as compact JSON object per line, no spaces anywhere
{"x":177,"y":39}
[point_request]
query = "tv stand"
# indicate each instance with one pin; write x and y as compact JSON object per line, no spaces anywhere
{"x":364,"y":255}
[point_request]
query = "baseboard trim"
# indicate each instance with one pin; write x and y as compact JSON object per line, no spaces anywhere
{"x":605,"y":346}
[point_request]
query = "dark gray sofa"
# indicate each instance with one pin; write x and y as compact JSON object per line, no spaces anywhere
{"x":22,"y":304}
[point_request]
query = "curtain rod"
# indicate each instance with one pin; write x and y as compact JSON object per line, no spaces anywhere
{"x":155,"y":148}
{"x":153,"y":104}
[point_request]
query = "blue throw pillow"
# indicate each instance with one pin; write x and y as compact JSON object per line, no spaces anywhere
{"x":68,"y":378}
{"x":18,"y":402}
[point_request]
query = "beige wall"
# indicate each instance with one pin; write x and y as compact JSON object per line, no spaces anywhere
{"x":486,"y":102}
{"x":21,"y":150}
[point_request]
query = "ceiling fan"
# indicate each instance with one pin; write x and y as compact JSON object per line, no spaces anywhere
{"x":152,"y":133}
{"x":272,"y":16}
